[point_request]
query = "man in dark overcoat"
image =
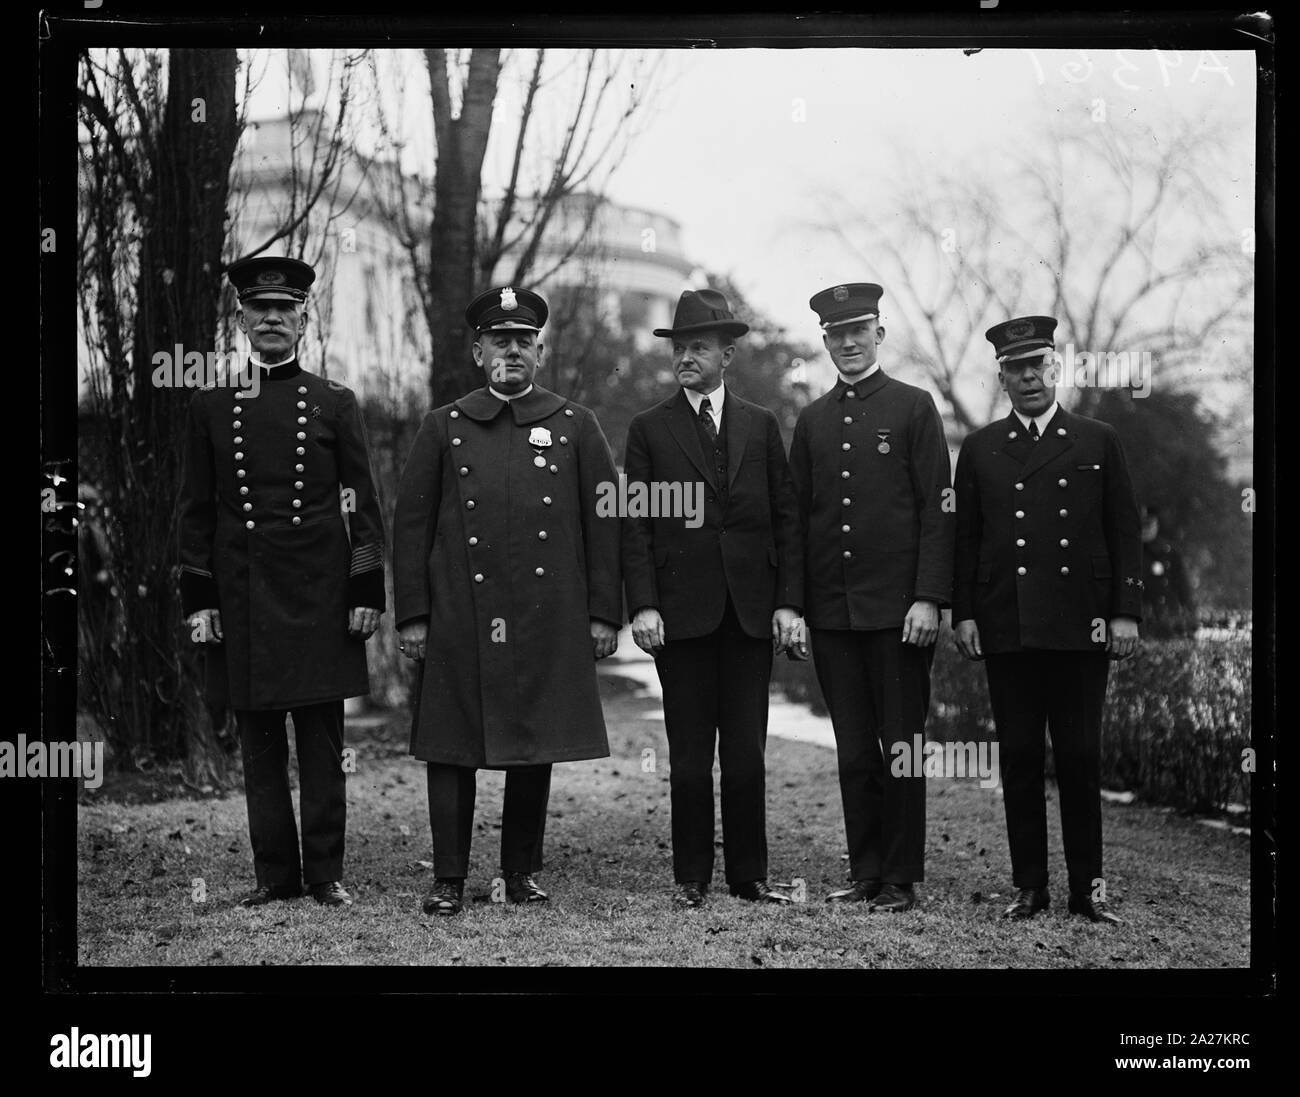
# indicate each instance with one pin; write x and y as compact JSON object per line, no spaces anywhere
{"x":282,"y":544}
{"x":872,"y":475}
{"x":506,"y":583}
{"x":712,"y":592}
{"x":1047,"y":589}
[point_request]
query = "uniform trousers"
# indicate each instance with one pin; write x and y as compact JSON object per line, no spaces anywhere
{"x":1031,"y":691}
{"x":877,"y":689}
{"x":322,"y":793}
{"x":523,"y":817}
{"x":715,"y":691}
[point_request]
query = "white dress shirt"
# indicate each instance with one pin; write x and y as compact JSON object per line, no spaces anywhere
{"x":1042,"y":420}
{"x":715,"y":399}
{"x":861,"y":377}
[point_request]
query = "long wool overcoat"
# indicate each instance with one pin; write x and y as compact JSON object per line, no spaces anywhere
{"x":498,"y":545}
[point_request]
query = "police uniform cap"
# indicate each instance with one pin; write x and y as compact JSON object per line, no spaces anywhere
{"x":1022,"y":337}
{"x":271,"y":277}
{"x":506,"y":308}
{"x":848,"y":303}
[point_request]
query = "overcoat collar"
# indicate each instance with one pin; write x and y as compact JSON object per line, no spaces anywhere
{"x":1014,"y":441}
{"x":481,"y":406}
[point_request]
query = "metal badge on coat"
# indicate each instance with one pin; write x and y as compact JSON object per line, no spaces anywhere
{"x":539,"y":437}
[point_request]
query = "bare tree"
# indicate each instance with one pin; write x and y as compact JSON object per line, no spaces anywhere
{"x":1122,"y":238}
{"x":589,"y":98}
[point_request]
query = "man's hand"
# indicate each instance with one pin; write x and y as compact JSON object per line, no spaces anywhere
{"x":604,"y":638}
{"x":412,"y":640}
{"x":921,"y":625}
{"x":205,"y":626}
{"x":363,"y":621}
{"x":648,"y":630}
{"x":784,"y":622}
{"x":968,"y":640}
{"x":1123,"y":640}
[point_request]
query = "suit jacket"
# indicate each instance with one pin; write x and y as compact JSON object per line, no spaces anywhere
{"x":281,"y":531}
{"x":748,"y":546}
{"x":878,"y":526}
{"x":497,"y":543}
{"x":1048,"y":535}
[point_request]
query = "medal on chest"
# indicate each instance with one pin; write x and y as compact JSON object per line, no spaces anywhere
{"x":883,"y":435}
{"x":540,"y":439}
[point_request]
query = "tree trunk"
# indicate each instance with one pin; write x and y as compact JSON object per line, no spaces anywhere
{"x":462,"y":143}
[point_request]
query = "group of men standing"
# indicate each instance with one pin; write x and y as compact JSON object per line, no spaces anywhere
{"x":510,"y":584}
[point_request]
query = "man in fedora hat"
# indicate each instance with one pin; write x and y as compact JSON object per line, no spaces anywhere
{"x":282,"y":545}
{"x":1047,"y":590}
{"x":871,"y":473}
{"x":712,"y":598}
{"x":506,"y":582}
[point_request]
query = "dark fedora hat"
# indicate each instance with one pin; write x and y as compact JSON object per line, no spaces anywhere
{"x":703,"y":310}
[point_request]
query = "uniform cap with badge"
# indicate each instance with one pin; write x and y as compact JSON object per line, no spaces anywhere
{"x":849,"y":303}
{"x":505,"y":308}
{"x":1022,"y":337}
{"x":271,"y":278}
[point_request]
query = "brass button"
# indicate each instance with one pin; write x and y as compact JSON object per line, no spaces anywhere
{"x":297,"y":485}
{"x":1060,"y":431}
{"x":1065,"y":513}
{"x":1020,"y":542}
{"x":844,"y":475}
{"x":237,"y":409}
{"x":302,"y":436}
{"x":1011,"y":435}
{"x":297,"y":503}
{"x":568,"y":412}
{"x":846,"y":501}
{"x":302,"y":419}
{"x":478,"y":578}
{"x":1062,"y":482}
{"x":844,"y":529}
{"x":540,"y":571}
{"x":1065,"y":543}
{"x":1065,"y":571}
{"x":455,"y":414}
{"x":846,"y":446}
{"x":848,"y":419}
{"x":1020,"y":514}
{"x":239,"y":455}
{"x":470,"y":504}
{"x":1020,"y":487}
{"x":455,"y":441}
{"x":473,"y":541}
{"x":297,"y":521}
{"x":238,"y":441}
{"x":240,"y":473}
{"x":302,"y":389}
{"x":541,"y":535}
{"x":555,"y":468}
{"x":850,"y":393}
{"x":299,"y":451}
{"x":302,"y":404}
{"x":464,"y":470}
{"x":248,"y":506}
{"x":297,"y":468}
{"x":243,"y":490}
{"x":563,"y":441}
{"x":546,"y":499}
{"x":237,"y":424}
{"x":847,"y":554}
{"x":249,"y":524}
{"x":1020,"y":571}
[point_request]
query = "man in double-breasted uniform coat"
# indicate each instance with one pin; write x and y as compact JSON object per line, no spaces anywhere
{"x":282,"y":578}
{"x":713,"y":593}
{"x":506,"y":582}
{"x":872,"y":476}
{"x":1047,"y":589}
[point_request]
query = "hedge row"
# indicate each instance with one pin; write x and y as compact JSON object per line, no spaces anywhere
{"x":1177,"y":723}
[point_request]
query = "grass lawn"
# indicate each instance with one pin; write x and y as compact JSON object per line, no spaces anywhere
{"x":1183,"y":889}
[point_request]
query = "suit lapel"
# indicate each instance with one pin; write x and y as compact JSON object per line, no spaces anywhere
{"x":1013,"y":441}
{"x":736,"y":418}
{"x":681,"y":424}
{"x":1049,"y":447}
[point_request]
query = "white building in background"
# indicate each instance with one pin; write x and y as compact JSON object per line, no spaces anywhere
{"x":367,"y":328}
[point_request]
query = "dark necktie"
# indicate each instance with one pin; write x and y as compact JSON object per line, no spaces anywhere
{"x":706,"y":420}
{"x":1033,"y":429}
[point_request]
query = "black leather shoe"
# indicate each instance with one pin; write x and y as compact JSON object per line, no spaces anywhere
{"x":858,"y":891}
{"x":1093,"y":911}
{"x":758,"y":891}
{"x":522,"y":888}
{"x":259,"y":897}
{"x":330,"y":894}
{"x":894,"y":899}
{"x":1029,"y":901}
{"x":446,"y":898}
{"x":691,"y":894}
